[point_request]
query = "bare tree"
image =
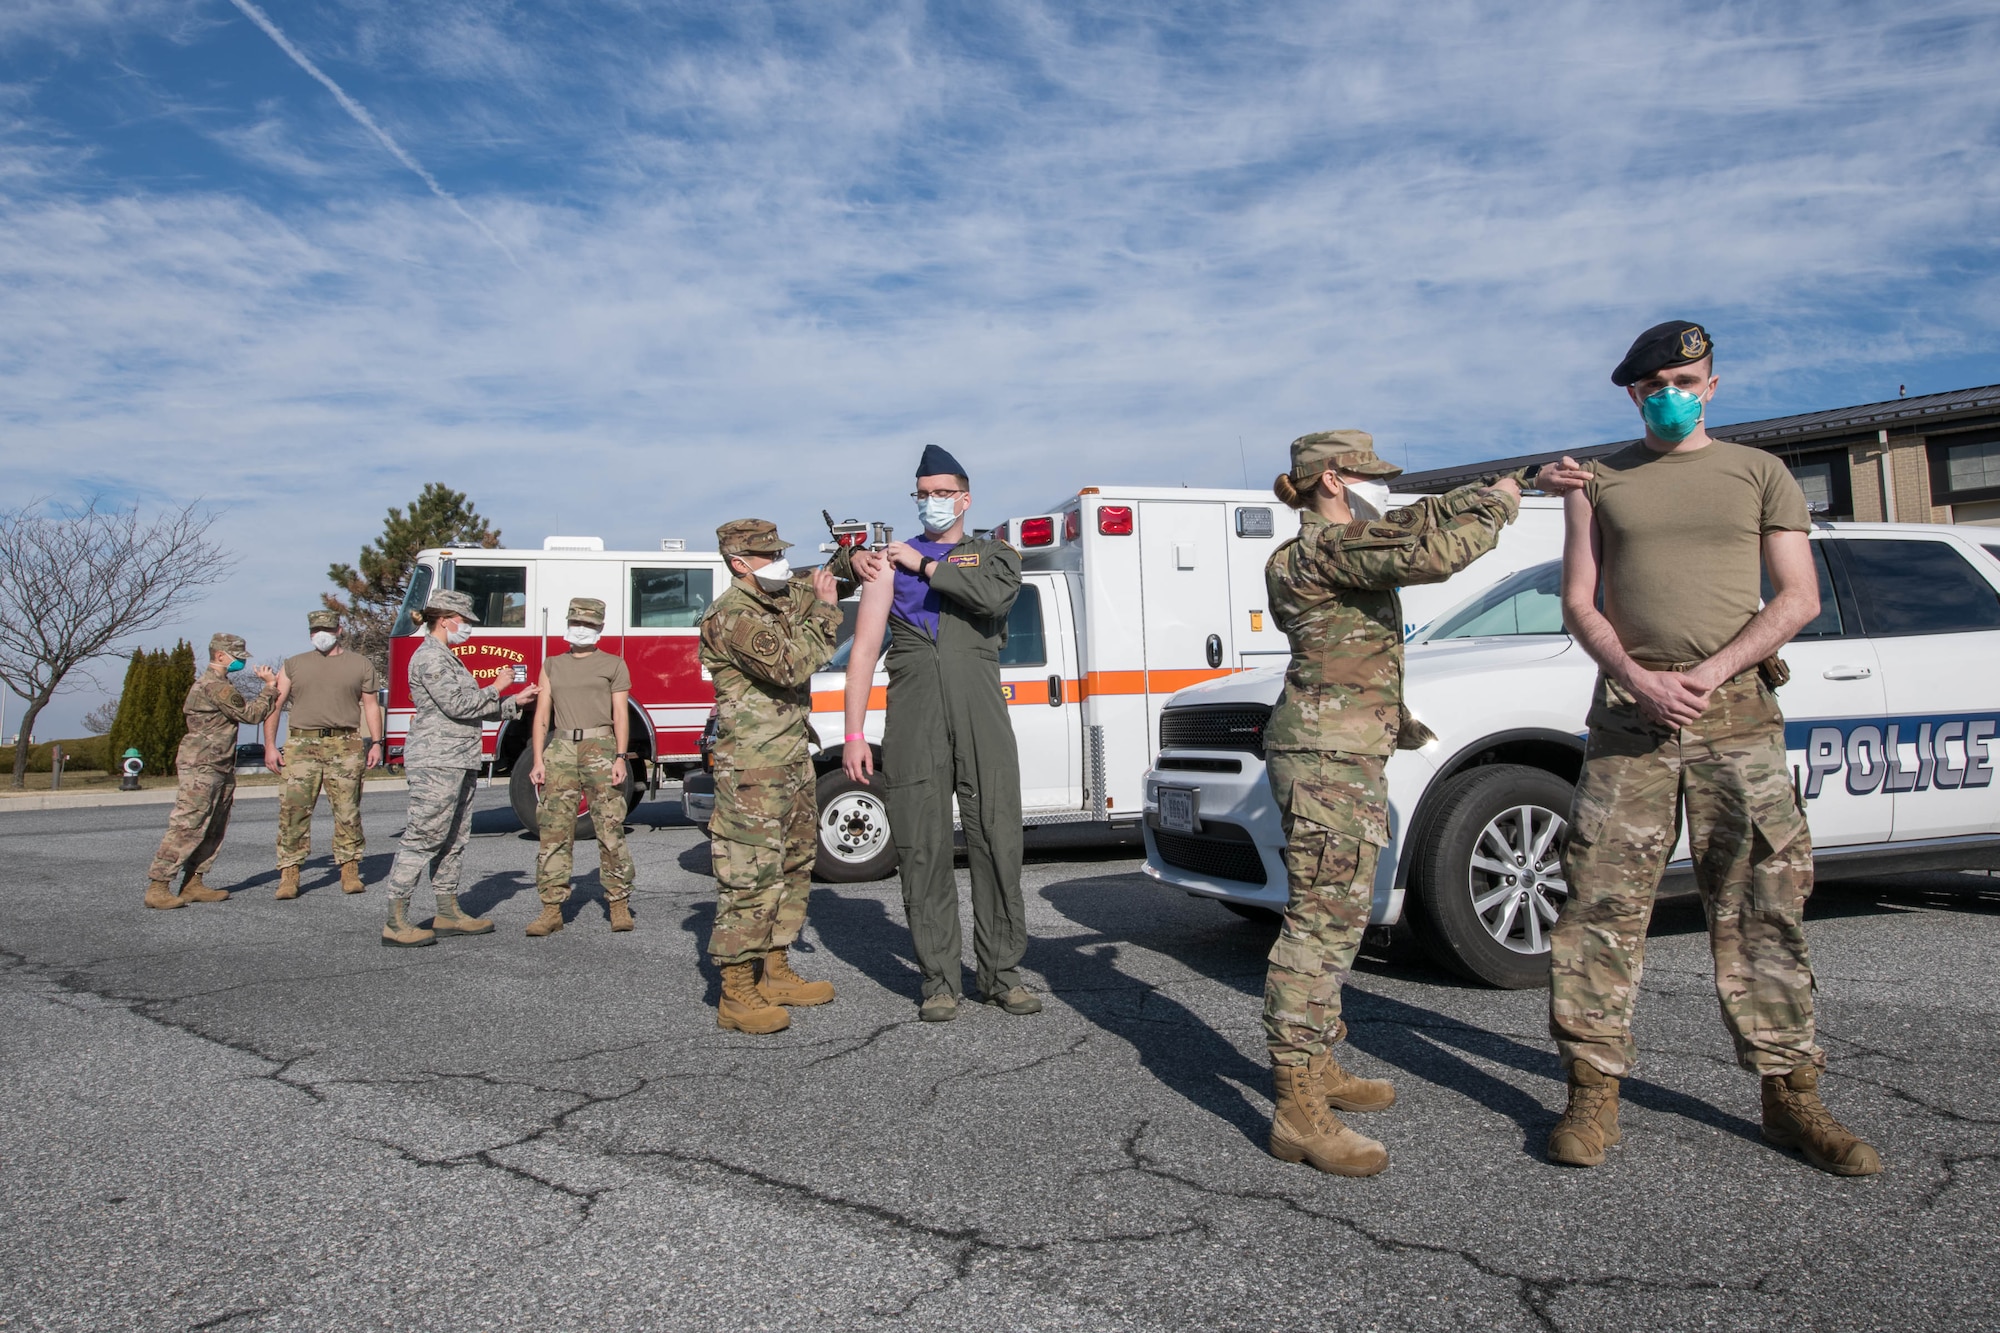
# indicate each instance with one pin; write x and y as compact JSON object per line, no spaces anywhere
{"x":99,"y":719}
{"x":73,"y":582}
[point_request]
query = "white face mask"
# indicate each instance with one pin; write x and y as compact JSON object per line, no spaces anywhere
{"x":324,"y":640}
{"x":774,"y":576}
{"x":1368,"y":499}
{"x":459,"y":635}
{"x":937,"y":512}
{"x":583,"y":636}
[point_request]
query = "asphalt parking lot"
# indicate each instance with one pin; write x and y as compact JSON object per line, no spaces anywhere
{"x":250,"y":1116}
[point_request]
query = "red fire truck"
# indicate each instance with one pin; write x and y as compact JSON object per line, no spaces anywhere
{"x":653,"y":602}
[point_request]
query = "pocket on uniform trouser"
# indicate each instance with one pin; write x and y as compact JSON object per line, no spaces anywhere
{"x":1349,"y":813}
{"x":1588,"y":815}
{"x":1781,"y":876}
{"x":750,"y":806}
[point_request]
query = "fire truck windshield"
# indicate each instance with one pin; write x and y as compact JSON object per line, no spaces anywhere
{"x":413,"y":600}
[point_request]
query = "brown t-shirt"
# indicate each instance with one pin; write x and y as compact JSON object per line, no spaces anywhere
{"x":580,"y":687}
{"x":1682,"y":543}
{"x":327,"y":690}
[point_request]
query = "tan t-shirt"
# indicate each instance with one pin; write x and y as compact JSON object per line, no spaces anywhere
{"x":327,"y":690}
{"x":580,"y":688}
{"x":1682,"y":543}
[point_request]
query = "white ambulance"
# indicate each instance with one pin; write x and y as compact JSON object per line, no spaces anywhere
{"x":1128,"y":595}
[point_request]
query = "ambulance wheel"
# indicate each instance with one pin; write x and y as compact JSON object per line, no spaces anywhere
{"x":1488,"y":878}
{"x":854,"y":842}
{"x":521,"y":795}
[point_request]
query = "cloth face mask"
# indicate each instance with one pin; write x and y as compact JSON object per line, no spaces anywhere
{"x":459,"y":635}
{"x":323,"y":640}
{"x":583,"y":636}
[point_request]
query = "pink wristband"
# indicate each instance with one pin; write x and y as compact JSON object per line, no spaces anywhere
{"x":856,"y":736}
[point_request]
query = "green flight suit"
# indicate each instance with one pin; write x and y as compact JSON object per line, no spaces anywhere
{"x":947,"y":732}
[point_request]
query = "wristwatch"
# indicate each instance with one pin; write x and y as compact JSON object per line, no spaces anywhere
{"x":924,"y":573}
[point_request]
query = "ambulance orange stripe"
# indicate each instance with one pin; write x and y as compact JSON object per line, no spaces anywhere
{"x":1106,"y":683}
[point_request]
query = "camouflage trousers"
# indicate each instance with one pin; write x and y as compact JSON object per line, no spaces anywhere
{"x":312,"y":762}
{"x":1336,"y":818}
{"x":435,"y":832}
{"x":572,"y":770}
{"x":1752,"y":856}
{"x":194,"y":830}
{"x":763,"y":839}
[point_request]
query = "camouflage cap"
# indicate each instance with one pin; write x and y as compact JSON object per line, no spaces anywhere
{"x":749,"y":536}
{"x":1350,"y":451}
{"x":453,"y":603}
{"x":589,"y":610}
{"x":228,"y":643}
{"x":319,"y":620}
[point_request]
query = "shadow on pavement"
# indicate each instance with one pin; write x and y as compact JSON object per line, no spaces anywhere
{"x":1181,"y":1050}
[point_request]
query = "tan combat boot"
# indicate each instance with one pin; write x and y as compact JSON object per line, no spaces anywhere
{"x":781,"y":985}
{"x":450,"y":920}
{"x":548,"y":923}
{"x":400,"y":933}
{"x":160,"y":894}
{"x":1303,"y":1130}
{"x":194,"y":891}
{"x":288,"y":882}
{"x":1795,"y":1117}
{"x":350,"y":878}
{"x":620,"y":912}
{"x":1590,"y":1124}
{"x":1344,"y":1091}
{"x":743,"y":1007}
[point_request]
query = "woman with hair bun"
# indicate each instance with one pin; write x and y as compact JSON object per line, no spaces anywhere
{"x":1332,"y":590}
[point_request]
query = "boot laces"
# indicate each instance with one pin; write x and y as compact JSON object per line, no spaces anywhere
{"x":1813,"y":1115}
{"x":1586,"y":1103}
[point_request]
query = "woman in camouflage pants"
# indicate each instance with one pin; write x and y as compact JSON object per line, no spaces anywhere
{"x":442,"y":756}
{"x":1332,"y":590}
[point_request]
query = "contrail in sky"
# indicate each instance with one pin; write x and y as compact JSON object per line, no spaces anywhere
{"x":367,"y":122}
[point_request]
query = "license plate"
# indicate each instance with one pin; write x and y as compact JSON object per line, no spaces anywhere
{"x":1177,"y":810}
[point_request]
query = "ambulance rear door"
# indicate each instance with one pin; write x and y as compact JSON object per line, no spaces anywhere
{"x":1254,"y":532}
{"x":1038,"y":670}
{"x":1185,"y":588}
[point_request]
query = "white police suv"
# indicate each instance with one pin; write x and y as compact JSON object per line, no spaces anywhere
{"x":1891,"y":720}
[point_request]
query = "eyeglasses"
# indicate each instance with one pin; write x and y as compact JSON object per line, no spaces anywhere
{"x":935,"y":495}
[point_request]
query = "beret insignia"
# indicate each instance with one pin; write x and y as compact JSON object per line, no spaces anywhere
{"x":1694,"y":344}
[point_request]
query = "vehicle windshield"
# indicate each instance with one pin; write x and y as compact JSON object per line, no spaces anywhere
{"x":1529,"y":602}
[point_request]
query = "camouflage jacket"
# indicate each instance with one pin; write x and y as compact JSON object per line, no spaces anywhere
{"x":214,"y":710}
{"x":762,"y":650}
{"x":450,"y":705}
{"x":1333,"y":593}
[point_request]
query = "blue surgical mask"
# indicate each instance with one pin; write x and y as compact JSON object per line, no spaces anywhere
{"x":1672,"y":414}
{"x":937,"y":512}
{"x":237,"y":665}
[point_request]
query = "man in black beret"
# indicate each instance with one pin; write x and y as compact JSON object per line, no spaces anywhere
{"x":1674,"y":530}
{"x":944,"y":600}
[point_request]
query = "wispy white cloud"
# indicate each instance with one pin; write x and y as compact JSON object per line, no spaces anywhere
{"x":368,"y":122}
{"x":772,"y":251}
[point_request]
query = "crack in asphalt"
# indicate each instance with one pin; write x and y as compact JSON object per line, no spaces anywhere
{"x":964,"y":1246}
{"x":1536,"y":1293}
{"x":929,"y":1099}
{"x":229,"y":1317}
{"x":1951,"y":1162}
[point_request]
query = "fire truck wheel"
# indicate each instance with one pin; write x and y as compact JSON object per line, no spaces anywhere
{"x":521,"y":795}
{"x":854,"y":842}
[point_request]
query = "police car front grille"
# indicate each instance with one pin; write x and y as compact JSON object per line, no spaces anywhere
{"x":1213,"y":857}
{"x":1215,"y":727}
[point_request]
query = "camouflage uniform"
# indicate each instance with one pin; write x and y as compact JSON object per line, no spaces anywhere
{"x":762,"y":649}
{"x":441,"y":756}
{"x":574,"y":767}
{"x":1752,"y":855}
{"x":207,"y":765}
{"x":1332,"y":591}
{"x":335,"y":759}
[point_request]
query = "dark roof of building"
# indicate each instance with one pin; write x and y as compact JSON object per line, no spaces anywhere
{"x":1898,"y":414}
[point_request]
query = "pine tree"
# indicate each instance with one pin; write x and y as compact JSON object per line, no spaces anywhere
{"x":154,"y":704}
{"x":179,"y":671}
{"x":125,"y":728}
{"x":439,"y":516}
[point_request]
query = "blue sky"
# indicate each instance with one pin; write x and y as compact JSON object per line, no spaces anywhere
{"x":684,"y":262}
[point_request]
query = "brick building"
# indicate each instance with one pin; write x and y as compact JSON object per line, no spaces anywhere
{"x":1930,"y":459}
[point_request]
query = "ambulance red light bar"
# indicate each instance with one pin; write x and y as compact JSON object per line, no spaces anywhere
{"x":1038,"y":532}
{"x":1114,"y":520}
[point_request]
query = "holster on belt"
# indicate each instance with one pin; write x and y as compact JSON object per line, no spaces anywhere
{"x":1774,"y":671}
